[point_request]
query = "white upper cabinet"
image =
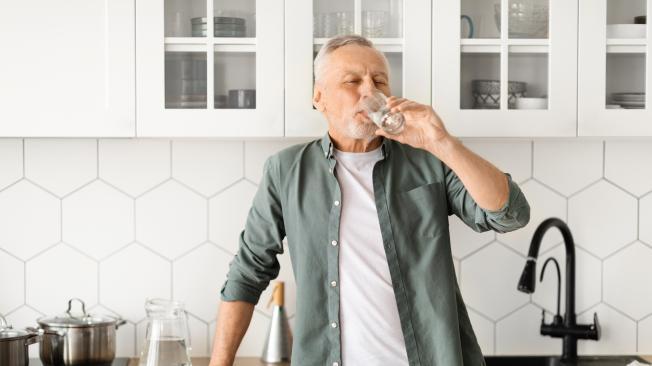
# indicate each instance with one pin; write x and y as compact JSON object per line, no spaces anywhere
{"x":615,"y":68}
{"x":67,"y":68}
{"x":209,"y":76}
{"x":516,"y":80}
{"x":399,"y":28}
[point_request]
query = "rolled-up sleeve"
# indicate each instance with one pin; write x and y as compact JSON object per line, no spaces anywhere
{"x":514,"y":214}
{"x":255,"y":263}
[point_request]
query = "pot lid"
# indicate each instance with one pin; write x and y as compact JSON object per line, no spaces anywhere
{"x":70,"y":320}
{"x":10,"y":334}
{"x":7,"y":333}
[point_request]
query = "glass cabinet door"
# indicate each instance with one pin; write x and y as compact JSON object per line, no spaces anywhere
{"x":210,"y":76}
{"x":309,"y":24}
{"x":505,"y":67}
{"x":614,"y":68}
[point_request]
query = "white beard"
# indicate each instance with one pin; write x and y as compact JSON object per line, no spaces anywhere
{"x":361,"y":130}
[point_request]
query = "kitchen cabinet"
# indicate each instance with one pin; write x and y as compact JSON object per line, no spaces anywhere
{"x":159,"y":68}
{"x":615,"y":67}
{"x":399,"y":28}
{"x":217,"y":77}
{"x":481,"y":80}
{"x":67,"y":68}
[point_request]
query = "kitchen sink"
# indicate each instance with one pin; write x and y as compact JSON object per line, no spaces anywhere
{"x":555,"y":360}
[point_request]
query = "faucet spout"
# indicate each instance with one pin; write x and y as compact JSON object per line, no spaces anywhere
{"x":570,"y":331}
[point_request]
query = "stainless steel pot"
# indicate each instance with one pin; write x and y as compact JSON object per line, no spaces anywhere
{"x":14,"y":343}
{"x":70,"y":340}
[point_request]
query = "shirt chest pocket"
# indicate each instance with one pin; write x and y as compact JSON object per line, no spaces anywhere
{"x":422,"y":211}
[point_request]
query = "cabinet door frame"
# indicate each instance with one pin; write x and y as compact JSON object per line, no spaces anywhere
{"x":304,"y":121}
{"x":593,"y":118}
{"x":560,"y":119}
{"x":154,"y":120}
{"x":68,"y":74}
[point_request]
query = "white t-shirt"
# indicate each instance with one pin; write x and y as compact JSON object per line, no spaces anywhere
{"x":370,"y":327}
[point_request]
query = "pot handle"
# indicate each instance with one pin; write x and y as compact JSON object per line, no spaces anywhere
{"x":33,"y":339}
{"x":83,"y":305}
{"x":119,"y":322}
{"x":41,"y":331}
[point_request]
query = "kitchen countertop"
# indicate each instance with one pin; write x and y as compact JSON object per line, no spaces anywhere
{"x":239,"y":361}
{"x":246,"y":361}
{"x":255,"y":361}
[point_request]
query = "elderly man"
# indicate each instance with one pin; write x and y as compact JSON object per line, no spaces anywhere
{"x":366,"y":218}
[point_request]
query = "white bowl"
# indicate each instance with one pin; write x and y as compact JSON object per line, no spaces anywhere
{"x":626,"y":30}
{"x":531,"y":103}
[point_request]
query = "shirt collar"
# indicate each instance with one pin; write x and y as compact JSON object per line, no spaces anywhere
{"x":327,"y":146}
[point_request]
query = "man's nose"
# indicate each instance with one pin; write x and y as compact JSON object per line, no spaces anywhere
{"x":367,"y":87}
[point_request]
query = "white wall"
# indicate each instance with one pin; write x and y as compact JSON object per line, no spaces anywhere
{"x":115,"y":221}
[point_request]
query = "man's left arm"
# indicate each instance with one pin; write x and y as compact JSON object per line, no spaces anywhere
{"x":495,"y":201}
{"x":480,"y":194}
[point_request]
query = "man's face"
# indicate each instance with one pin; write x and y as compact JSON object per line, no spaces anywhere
{"x":350,"y":74}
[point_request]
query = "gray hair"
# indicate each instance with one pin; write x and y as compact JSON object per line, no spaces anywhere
{"x":337,"y":42}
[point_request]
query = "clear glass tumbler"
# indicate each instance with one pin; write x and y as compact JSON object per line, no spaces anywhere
{"x":375,"y":105}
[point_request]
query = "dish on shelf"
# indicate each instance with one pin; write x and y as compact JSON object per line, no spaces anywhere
{"x":628,"y":97}
{"x":531,"y":103}
{"x":493,"y":86}
{"x":626,"y":30}
{"x":219,"y":20}
{"x":222,"y":27}
{"x":486,"y":93}
{"x":613,"y":106}
{"x":631,"y":104}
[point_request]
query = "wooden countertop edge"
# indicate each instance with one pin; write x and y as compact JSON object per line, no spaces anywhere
{"x":255,"y":361}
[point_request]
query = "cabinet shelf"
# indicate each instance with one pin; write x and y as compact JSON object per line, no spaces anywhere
{"x":626,"y":45}
{"x":201,"y":47}
{"x":383,"y":44}
{"x":472,"y":45}
{"x":397,"y":47}
{"x":376,"y":41}
{"x":215,"y":40}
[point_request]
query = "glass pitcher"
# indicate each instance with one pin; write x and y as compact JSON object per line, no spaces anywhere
{"x":167,"y":339}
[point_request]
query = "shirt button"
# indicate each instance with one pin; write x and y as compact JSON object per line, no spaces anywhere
{"x":333,"y":283}
{"x":336,"y":203}
{"x":334,"y":243}
{"x":334,"y":325}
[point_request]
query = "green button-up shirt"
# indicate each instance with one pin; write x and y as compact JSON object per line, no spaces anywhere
{"x":299,"y":198}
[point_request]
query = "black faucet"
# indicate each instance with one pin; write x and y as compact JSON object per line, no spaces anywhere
{"x":569,"y":330}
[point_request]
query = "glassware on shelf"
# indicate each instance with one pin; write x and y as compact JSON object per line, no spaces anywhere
{"x":185,"y":80}
{"x":333,"y":23}
{"x":167,"y":338}
{"x":375,"y":23}
{"x":242,"y":98}
{"x":527,"y":18}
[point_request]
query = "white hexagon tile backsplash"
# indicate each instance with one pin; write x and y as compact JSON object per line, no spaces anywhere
{"x":118,"y":220}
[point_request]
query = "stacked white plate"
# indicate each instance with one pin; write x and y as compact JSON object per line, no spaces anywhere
{"x":629,"y":100}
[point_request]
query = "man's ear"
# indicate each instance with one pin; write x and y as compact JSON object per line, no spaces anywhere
{"x":317,"y":100}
